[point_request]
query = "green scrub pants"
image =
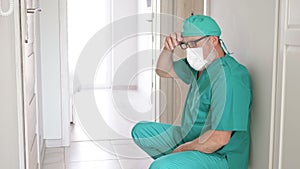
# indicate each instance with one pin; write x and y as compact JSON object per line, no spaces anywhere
{"x":159,"y":140}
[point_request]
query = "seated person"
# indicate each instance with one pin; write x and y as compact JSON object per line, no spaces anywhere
{"x":214,"y":131}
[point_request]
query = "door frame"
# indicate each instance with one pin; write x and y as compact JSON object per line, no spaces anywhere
{"x":64,"y":77}
{"x":156,"y":9}
{"x":18,"y":9}
{"x":275,"y":102}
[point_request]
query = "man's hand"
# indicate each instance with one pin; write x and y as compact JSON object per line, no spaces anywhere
{"x":172,"y":41}
{"x":207,"y":143}
{"x":183,"y":147}
{"x":164,"y":66}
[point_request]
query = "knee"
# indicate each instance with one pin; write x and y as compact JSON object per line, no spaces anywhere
{"x":136,"y":130}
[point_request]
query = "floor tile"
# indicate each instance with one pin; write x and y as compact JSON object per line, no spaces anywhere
{"x":54,"y":166}
{"x":77,"y":134}
{"x":107,"y":164}
{"x":128,"y":149}
{"x":54,"y":155}
{"x":136,"y":163}
{"x":122,"y":142}
{"x":89,"y":151}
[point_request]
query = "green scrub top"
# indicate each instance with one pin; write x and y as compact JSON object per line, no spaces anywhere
{"x":219,"y":100}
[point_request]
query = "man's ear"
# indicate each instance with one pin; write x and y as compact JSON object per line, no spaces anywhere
{"x":214,"y":40}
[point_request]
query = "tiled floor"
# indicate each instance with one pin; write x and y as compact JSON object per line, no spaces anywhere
{"x":85,"y":153}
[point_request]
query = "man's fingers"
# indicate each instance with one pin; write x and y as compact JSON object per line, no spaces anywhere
{"x":167,"y":47}
{"x":170,"y":43}
{"x":174,"y":41}
{"x":178,"y":36}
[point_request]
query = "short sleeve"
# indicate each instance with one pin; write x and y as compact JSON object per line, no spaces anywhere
{"x":183,"y":70}
{"x":230,"y":102}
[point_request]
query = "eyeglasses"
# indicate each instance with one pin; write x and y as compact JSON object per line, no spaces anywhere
{"x":191,"y":44}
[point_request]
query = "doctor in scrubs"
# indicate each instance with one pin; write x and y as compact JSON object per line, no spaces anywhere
{"x":214,"y":131}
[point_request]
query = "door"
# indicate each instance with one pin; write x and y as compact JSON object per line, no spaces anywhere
{"x":287,"y":126}
{"x":29,"y":56}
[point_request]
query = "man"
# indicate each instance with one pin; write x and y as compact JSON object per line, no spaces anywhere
{"x":214,"y":132}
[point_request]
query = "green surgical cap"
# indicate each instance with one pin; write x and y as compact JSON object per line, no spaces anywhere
{"x":200,"y":25}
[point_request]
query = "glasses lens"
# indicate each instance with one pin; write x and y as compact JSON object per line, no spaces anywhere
{"x":192,"y":44}
{"x":183,"y":46}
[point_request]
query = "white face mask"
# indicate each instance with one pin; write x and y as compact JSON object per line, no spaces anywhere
{"x":195,"y":58}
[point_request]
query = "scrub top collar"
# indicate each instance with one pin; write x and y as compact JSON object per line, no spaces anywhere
{"x":216,"y":64}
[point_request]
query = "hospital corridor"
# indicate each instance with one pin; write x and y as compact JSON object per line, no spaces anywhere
{"x":83,"y":86}
{"x":86,"y":152}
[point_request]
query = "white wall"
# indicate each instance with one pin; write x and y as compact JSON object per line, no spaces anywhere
{"x":51,"y":84}
{"x":248,"y":30}
{"x":9,"y":142}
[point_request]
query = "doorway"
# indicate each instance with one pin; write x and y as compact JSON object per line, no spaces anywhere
{"x":116,"y":40}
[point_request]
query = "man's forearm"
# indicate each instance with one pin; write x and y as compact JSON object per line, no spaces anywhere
{"x":165,"y":62}
{"x":208,"y":146}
